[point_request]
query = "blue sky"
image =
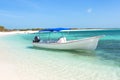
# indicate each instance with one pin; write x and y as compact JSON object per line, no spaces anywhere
{"x":60,"y":13}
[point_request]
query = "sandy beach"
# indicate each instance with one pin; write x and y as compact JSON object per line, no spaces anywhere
{"x":16,"y":32}
{"x":21,"y":63}
{"x":7,"y":68}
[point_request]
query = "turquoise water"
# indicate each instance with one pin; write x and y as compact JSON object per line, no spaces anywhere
{"x":108,"y":47}
{"x":31,"y":62}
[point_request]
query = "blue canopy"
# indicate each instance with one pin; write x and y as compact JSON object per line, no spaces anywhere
{"x":55,"y":29}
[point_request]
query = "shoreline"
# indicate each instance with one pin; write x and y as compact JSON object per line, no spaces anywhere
{"x":30,"y":31}
{"x":26,"y":32}
{"x":16,"y":32}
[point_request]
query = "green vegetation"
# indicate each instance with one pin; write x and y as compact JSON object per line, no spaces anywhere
{"x":3,"y":29}
{"x":33,"y":29}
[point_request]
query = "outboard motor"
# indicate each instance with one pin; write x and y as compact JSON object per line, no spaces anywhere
{"x":36,"y":39}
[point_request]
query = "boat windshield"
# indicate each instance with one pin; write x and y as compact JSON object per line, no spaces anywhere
{"x":54,"y":35}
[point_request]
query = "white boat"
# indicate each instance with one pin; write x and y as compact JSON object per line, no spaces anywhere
{"x":89,"y":43}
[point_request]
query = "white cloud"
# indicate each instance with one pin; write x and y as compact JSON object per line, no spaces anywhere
{"x":89,"y":10}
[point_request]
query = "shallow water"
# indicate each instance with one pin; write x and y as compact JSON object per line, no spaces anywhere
{"x":45,"y":64}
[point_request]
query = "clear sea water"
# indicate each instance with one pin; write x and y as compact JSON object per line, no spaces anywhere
{"x":45,"y":64}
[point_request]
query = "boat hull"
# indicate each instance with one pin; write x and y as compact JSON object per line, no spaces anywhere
{"x":84,"y":44}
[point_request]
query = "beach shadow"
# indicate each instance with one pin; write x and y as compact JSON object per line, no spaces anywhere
{"x":73,"y":52}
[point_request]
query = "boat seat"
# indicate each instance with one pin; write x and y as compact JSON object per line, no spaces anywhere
{"x":62,"y":40}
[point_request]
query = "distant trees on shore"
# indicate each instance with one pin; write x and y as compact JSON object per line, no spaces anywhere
{"x":2,"y":29}
{"x":33,"y":29}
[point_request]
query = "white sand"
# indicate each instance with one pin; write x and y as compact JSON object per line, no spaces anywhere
{"x":8,"y":69}
{"x":7,"y":72}
{"x":16,"y":32}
